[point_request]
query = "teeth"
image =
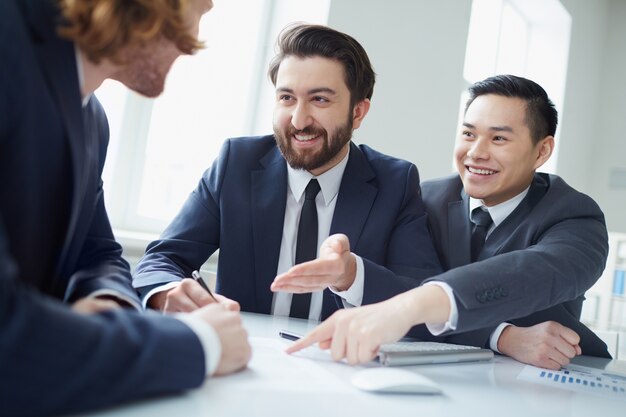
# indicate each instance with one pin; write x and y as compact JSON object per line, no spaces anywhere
{"x":304,"y":138}
{"x":480,"y":171}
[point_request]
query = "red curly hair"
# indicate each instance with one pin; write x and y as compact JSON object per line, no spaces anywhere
{"x":102,"y":28}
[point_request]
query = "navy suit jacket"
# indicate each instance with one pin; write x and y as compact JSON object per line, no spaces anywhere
{"x":56,"y":242}
{"x":239,"y":207}
{"x":535,"y":266}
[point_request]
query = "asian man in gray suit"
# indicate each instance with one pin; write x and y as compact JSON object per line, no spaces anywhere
{"x":533,"y":246}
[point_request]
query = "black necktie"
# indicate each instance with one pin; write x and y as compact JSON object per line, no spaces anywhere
{"x":306,"y":245}
{"x":482,"y":221}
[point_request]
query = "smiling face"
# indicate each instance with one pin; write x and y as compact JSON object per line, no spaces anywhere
{"x":313,"y":121}
{"x":495,"y":154}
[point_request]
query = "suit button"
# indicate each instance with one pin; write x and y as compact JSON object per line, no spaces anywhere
{"x":504,"y":292}
{"x":489,"y":295}
{"x":481,"y":297}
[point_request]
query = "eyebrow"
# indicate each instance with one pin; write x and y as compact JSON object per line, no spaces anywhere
{"x":492,"y":128}
{"x":310,"y":92}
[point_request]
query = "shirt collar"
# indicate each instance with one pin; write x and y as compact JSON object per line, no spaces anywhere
{"x":81,"y":76}
{"x":329,"y":181}
{"x":501,"y":211}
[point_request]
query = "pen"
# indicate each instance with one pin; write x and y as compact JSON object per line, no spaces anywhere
{"x":198,"y":278}
{"x":285,"y":334}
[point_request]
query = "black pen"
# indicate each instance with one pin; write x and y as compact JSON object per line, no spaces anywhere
{"x":198,"y":278}
{"x":285,"y":334}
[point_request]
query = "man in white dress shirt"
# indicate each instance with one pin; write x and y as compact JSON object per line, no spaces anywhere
{"x":252,"y":203}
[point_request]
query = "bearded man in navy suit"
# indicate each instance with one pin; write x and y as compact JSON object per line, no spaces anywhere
{"x":249,"y":203}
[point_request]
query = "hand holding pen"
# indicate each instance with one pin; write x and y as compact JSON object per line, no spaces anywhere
{"x":198,"y":278}
{"x":220,"y":299}
{"x":189,"y":295}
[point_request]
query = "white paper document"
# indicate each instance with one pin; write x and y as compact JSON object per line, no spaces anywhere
{"x":272,"y":369}
{"x":578,"y":378}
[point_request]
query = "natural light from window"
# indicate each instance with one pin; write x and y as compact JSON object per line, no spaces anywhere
{"x":528,"y":38}
{"x":160,"y":148}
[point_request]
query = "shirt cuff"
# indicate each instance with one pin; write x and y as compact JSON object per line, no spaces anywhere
{"x":353,"y":296}
{"x":438,"y":328}
{"x":495,"y":336}
{"x":209,"y":340}
{"x":156,"y":290}
{"x":115,"y":294}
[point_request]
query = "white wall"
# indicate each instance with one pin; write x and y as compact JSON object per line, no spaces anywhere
{"x":417,"y":49}
{"x":594,"y":116}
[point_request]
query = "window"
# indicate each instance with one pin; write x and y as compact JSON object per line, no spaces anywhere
{"x":159,"y":148}
{"x":528,"y":38}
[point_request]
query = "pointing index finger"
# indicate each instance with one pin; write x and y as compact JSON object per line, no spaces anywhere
{"x":321,"y":333}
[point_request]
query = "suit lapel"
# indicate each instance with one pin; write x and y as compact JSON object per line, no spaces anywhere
{"x":355,"y":198}
{"x":458,"y":232}
{"x":269,"y":199}
{"x":58,"y":65}
{"x":354,"y":203}
{"x":500,"y":235}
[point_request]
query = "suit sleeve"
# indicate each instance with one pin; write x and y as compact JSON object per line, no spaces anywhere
{"x":100,"y":265}
{"x":410,"y":254}
{"x":564,"y":261}
{"x":192,"y":236}
{"x":55,"y":361}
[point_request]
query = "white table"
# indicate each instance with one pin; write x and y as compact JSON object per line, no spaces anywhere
{"x":298,"y":387}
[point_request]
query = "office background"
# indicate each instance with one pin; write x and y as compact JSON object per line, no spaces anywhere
{"x":426,"y":53}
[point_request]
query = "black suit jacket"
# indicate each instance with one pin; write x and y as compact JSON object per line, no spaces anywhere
{"x":56,"y":242}
{"x":535,"y":266}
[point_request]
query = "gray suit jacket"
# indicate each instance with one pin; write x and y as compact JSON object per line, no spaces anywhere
{"x":535,"y":266}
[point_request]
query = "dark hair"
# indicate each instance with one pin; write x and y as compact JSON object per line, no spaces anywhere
{"x":303,"y":40}
{"x":541,"y":116}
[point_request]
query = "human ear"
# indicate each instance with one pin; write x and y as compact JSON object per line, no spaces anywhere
{"x":359,"y":112}
{"x":545,"y":147}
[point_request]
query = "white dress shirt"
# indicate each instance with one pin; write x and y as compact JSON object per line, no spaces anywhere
{"x":498,"y":214}
{"x":326,"y":199}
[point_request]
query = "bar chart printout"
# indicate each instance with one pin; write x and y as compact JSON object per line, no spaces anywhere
{"x":578,"y":378}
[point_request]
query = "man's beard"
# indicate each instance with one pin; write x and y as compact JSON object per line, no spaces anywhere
{"x":307,"y":159}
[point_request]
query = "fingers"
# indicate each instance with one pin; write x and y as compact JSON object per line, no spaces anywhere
{"x":569,"y":335}
{"x":566,"y":343}
{"x":300,"y":286}
{"x":186,"y":297}
{"x":579,"y":351}
{"x":324,"y":344}
{"x":236,"y":350}
{"x":565,"y":348}
{"x":366,"y":353}
{"x":315,"y":275}
{"x":198,"y":295}
{"x":335,"y":244}
{"x":314,"y":268}
{"x":550,"y":364}
{"x":322,"y":334}
{"x":226,"y":302}
{"x":338,"y":346}
{"x":555,"y":345}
